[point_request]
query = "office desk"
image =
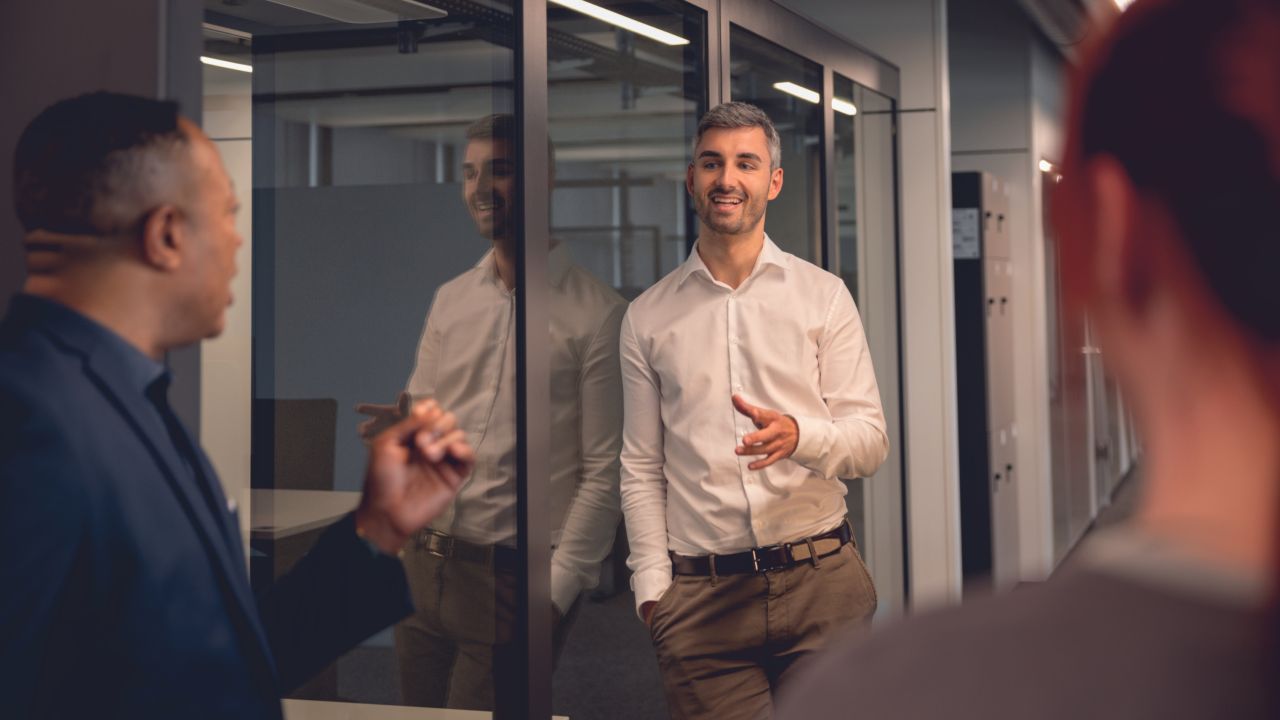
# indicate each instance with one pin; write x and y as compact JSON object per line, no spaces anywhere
{"x":278,"y":514}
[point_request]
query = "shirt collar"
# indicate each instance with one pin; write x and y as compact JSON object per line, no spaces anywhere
{"x":770,"y":254}
{"x":559,"y":261}
{"x":88,"y":338}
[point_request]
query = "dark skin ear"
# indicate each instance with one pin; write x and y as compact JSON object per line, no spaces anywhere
{"x":161,"y":242}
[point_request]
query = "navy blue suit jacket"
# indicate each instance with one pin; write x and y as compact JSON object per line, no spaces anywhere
{"x":123,"y":590}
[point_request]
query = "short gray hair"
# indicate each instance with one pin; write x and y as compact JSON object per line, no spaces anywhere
{"x":732,"y":115}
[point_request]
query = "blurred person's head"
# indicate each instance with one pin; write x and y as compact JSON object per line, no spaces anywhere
{"x":1170,"y":241}
{"x":736,"y":169}
{"x":127,"y":211}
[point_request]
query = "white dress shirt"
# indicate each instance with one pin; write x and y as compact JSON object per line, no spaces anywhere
{"x":466,"y":361}
{"x":788,"y":338}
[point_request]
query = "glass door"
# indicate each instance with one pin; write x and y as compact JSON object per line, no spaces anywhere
{"x":406,"y":241}
{"x":381,"y":178}
{"x":835,"y":111}
{"x":624,"y":96}
{"x":789,"y":89}
{"x":866,"y":258}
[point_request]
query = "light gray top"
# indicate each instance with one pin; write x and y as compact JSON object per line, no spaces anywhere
{"x":1129,"y":629}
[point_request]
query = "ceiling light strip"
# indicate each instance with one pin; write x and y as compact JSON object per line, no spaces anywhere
{"x":841,"y":105}
{"x":227,"y":64}
{"x":801,"y":92}
{"x":622,"y":21}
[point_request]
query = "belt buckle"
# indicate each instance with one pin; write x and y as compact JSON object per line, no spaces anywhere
{"x":444,"y":541}
{"x":755,"y":561}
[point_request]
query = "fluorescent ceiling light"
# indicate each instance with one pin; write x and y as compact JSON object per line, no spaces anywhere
{"x":226,"y":64}
{"x":1046,"y":166}
{"x":803,"y":93}
{"x":843,"y":106}
{"x":365,"y":12}
{"x":621,"y":21}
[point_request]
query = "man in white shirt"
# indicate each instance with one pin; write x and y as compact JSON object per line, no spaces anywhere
{"x":462,"y":569}
{"x":748,"y":393}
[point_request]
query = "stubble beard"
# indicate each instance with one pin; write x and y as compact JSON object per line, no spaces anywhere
{"x":748,"y":219}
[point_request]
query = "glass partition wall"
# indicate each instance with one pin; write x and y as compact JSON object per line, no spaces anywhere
{"x":622,"y":108}
{"x":457,"y":199}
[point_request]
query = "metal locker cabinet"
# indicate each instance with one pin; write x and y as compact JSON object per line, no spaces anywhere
{"x":981,"y":245}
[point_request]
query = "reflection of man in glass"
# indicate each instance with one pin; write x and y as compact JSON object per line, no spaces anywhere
{"x":741,"y":550}
{"x":462,"y":571}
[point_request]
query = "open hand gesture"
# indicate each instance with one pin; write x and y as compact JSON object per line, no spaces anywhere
{"x":776,"y":438}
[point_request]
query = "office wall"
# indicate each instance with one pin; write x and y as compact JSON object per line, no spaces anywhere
{"x":355,"y":270}
{"x":57,"y":49}
{"x":912,"y":34}
{"x":225,"y":382}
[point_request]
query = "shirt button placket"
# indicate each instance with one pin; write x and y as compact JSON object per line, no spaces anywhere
{"x":741,"y":425}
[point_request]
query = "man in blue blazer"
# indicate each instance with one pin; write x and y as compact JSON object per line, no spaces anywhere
{"x":123,"y":590}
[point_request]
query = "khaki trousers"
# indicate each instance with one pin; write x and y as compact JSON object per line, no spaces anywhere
{"x":460,"y":634}
{"x":725,"y":646}
{"x":457,"y":644}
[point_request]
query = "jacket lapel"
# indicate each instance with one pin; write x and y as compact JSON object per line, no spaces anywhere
{"x":145,"y":422}
{"x":109,"y":372}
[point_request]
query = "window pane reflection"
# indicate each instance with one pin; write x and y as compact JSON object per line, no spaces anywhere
{"x":788,"y":88}
{"x":623,"y":109}
{"x":381,"y":183}
{"x":866,"y":259}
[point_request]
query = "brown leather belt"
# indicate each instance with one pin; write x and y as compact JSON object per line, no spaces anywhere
{"x":442,"y":545}
{"x":764,"y":559}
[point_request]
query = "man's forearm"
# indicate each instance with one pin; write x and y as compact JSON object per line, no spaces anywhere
{"x":854,"y":447}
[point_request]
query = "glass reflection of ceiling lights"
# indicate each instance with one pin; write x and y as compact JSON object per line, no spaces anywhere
{"x":226,"y":64}
{"x":837,"y":104}
{"x":366,"y":12}
{"x":622,"y":21}
{"x":843,"y":106}
{"x":227,"y":49}
{"x":622,"y":88}
{"x":799,"y":91}
{"x":787,"y":87}
{"x":840,"y":105}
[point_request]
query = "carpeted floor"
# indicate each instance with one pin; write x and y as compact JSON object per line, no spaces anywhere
{"x":607,"y":670}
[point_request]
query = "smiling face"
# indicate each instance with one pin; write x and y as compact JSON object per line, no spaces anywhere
{"x":489,"y":182}
{"x":730,"y":180}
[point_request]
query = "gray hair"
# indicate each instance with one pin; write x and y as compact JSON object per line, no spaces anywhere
{"x":733,"y":115}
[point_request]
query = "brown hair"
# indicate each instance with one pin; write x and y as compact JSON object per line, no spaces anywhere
{"x":1185,"y":95}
